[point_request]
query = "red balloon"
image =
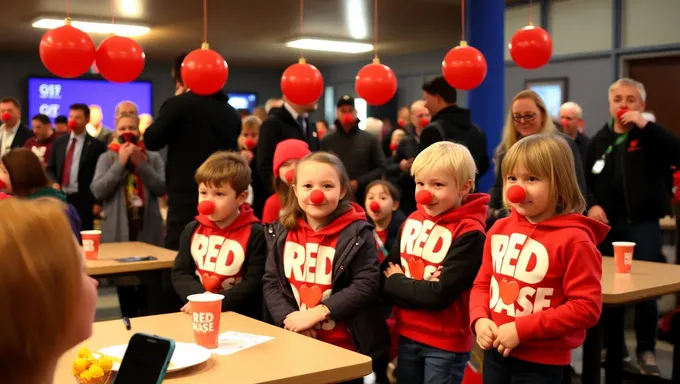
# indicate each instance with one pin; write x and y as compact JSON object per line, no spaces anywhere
{"x":67,"y":51}
{"x":376,"y":83}
{"x":302,"y":83}
{"x":204,"y":71}
{"x":423,"y":197}
{"x":206,"y":207}
{"x":464,"y":67}
{"x":317,"y":197}
{"x":119,"y":59}
{"x":516,"y":194}
{"x":531,"y":47}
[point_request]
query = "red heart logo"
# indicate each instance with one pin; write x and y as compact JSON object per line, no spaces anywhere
{"x":311,"y":297}
{"x":211,"y":283}
{"x":416,"y":268}
{"x":508,"y":291}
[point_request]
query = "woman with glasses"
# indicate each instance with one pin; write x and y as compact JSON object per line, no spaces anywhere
{"x":527,"y":116}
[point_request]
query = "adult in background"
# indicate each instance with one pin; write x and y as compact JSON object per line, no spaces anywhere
{"x":145,"y":121}
{"x":407,"y":150}
{"x":451,"y":122}
{"x":192,"y":127}
{"x":571,"y":120}
{"x":96,"y":126}
{"x":41,"y":143}
{"x":127,"y":107}
{"x":359,"y":150}
{"x":14,"y":132}
{"x":290,"y":121}
{"x":628,"y":161}
{"x":272,"y":103}
{"x":72,"y":164}
{"x":61,"y":124}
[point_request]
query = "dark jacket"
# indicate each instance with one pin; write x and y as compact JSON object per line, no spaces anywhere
{"x":360,"y":153}
{"x":582,"y":142}
{"x":357,"y":294}
{"x":496,"y":191}
{"x":23,"y":133}
{"x":246,"y":296}
{"x":408,"y":149}
{"x":277,"y":127}
{"x":193,"y":127}
{"x":393,"y":229}
{"x":648,"y":154}
{"x":458,"y":127}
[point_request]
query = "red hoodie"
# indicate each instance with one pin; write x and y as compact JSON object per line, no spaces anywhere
{"x":308,"y":257}
{"x":452,"y":241}
{"x":272,"y":209}
{"x":219,"y":253}
{"x":549,"y":284}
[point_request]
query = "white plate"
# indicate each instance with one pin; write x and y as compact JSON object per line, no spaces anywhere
{"x":186,"y":355}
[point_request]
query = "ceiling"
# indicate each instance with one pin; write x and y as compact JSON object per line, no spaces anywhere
{"x":250,"y":32}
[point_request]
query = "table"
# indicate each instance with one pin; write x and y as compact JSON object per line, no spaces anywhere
{"x":106,"y":265}
{"x":647,"y":280}
{"x":288,"y":358}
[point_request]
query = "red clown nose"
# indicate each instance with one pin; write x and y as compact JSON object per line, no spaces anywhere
{"x":374,"y":207}
{"x":424,"y":122}
{"x":620,"y":112}
{"x":317,"y":197}
{"x":6,"y":116}
{"x":393,"y":146}
{"x":516,"y":194}
{"x":289,"y":175}
{"x":347,"y":118}
{"x":401,"y":123}
{"x":565,"y":122}
{"x":423,"y":197}
{"x":206,"y":207}
{"x":250,"y":143}
{"x":72,"y":124}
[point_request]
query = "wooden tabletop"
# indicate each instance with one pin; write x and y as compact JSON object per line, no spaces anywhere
{"x":288,"y":358}
{"x":647,"y":280}
{"x":106,"y":265}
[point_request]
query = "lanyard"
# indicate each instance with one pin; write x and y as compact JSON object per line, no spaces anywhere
{"x":618,"y":141}
{"x":381,"y":246}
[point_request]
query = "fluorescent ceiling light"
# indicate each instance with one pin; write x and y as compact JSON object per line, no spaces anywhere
{"x":94,"y":27}
{"x":330,"y":45}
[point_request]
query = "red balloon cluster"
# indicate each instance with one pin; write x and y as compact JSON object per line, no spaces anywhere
{"x":376,"y":83}
{"x":302,"y":83}
{"x":67,"y":51}
{"x":119,"y":59}
{"x":531,"y":47}
{"x":204,"y":71}
{"x":464,"y":67}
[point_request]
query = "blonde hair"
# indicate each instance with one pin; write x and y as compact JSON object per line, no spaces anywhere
{"x":127,"y":115}
{"x":225,"y":168}
{"x":452,"y":158}
{"x":510,"y":135}
{"x":374,"y":126}
{"x":38,"y":279}
{"x":549,"y":157}
{"x":417,"y":104}
{"x":397,"y":132}
{"x":292,"y":211}
{"x":252,"y":121}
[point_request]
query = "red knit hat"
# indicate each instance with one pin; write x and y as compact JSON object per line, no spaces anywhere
{"x":291,"y":149}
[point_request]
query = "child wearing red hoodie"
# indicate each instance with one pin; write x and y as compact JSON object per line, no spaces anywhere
{"x":286,"y":157}
{"x":538,"y":289}
{"x":434,"y":262}
{"x":223,"y":251}
{"x":322,"y":276}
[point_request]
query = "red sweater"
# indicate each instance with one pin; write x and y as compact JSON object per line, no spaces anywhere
{"x":271,"y":210}
{"x":43,"y":148}
{"x":436,"y":313}
{"x":546,"y":278}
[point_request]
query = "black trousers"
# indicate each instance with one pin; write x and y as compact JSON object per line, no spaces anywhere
{"x":179,"y":215}
{"x":83,"y":203}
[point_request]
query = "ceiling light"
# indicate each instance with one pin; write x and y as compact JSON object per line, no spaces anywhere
{"x":330,"y":45}
{"x":94,"y":27}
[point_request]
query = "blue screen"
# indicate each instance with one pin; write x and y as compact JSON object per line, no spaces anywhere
{"x":243,"y":101}
{"x":53,"y":96}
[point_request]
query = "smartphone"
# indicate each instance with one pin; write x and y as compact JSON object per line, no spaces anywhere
{"x":135,"y":258}
{"x":146,"y":360}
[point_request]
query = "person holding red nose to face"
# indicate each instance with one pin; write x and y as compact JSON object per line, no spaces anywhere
{"x":72,"y":164}
{"x":223,"y":251}
{"x":628,"y":165}
{"x":322,"y":276}
{"x":571,"y":121}
{"x":13,"y":132}
{"x":430,"y":270}
{"x":286,"y":157}
{"x":359,"y":150}
{"x":538,"y":289}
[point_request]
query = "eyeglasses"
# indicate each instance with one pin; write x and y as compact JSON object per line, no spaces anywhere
{"x":528,"y":117}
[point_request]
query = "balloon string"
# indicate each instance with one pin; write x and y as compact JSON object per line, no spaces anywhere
{"x":205,"y":21}
{"x":302,"y":24}
{"x":68,"y":9}
{"x":375,"y":28}
{"x":113,"y":14}
{"x":531,"y":12}
{"x":462,"y":19}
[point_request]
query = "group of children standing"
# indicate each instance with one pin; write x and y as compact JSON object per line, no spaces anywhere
{"x":525,"y":290}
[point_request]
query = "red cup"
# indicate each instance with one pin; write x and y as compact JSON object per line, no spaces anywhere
{"x":91,"y":243}
{"x":206,"y":310}
{"x":623,"y":256}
